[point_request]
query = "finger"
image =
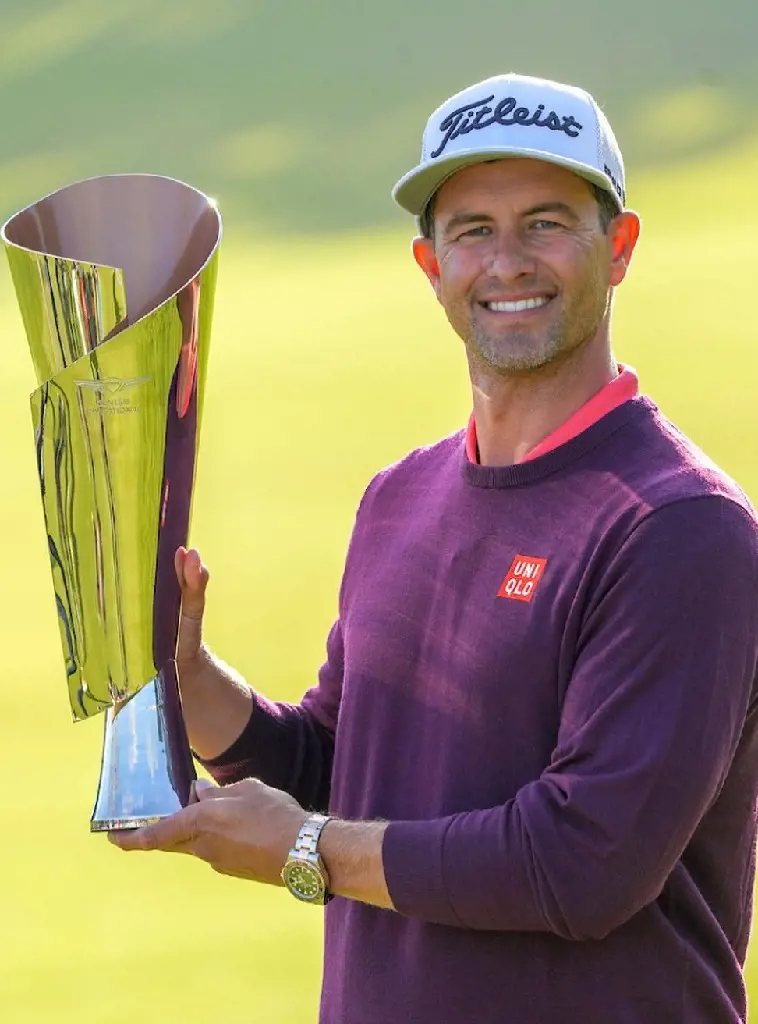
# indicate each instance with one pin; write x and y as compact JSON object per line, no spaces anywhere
{"x":191,"y":573}
{"x":202,"y":789}
{"x":179,"y":557}
{"x":120,"y":840}
{"x":193,"y":580}
{"x":166,"y":834}
{"x":248,"y":787}
{"x":193,"y":577}
{"x":195,"y":572}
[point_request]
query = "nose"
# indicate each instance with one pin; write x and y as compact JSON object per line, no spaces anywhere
{"x":508,"y":258}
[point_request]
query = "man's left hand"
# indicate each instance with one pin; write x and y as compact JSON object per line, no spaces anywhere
{"x":245,"y":829}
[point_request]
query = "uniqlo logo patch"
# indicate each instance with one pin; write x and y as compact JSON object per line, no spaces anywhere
{"x":522,"y":578}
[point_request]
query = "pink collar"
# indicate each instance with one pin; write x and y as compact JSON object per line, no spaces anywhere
{"x":623,"y":387}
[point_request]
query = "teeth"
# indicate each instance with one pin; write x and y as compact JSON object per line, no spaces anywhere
{"x":516,"y":307}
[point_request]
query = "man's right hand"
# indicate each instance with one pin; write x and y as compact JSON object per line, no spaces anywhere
{"x":193,"y":579}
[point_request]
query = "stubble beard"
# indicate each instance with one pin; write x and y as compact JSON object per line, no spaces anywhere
{"x":521,"y":350}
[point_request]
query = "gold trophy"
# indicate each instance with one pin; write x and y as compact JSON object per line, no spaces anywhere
{"x":115,"y":278}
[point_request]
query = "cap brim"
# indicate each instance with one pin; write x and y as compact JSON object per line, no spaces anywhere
{"x":416,"y":188}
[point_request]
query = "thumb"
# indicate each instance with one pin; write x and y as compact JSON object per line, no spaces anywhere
{"x":193,"y":580}
{"x":203,"y":789}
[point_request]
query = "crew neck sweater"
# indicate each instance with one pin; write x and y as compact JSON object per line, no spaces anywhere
{"x":543,"y":676}
{"x":624,"y":386}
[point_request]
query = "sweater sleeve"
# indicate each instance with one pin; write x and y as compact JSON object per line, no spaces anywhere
{"x":652,"y":717}
{"x":291,"y":746}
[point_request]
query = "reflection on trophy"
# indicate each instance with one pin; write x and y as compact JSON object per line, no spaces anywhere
{"x":115,"y":278}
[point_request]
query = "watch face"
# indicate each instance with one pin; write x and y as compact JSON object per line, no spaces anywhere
{"x":304,"y":881}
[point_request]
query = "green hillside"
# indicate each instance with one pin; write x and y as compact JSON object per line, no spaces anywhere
{"x":300,"y":116}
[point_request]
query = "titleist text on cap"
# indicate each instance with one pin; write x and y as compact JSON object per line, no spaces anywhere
{"x":477,"y":115}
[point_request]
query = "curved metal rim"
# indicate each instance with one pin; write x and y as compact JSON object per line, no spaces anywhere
{"x":212,"y":205}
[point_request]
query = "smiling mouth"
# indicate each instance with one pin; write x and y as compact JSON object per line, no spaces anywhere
{"x":517,"y":307}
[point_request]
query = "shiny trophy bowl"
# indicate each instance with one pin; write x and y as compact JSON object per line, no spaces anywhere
{"x":115,"y":279}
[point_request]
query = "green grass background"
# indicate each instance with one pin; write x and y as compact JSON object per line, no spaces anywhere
{"x":330,"y":359}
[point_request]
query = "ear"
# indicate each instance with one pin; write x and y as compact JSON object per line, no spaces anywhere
{"x":423,"y":253}
{"x":623,"y":234}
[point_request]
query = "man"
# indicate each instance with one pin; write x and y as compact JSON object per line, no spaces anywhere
{"x":535,"y":729}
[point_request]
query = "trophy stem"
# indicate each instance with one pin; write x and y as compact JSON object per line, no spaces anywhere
{"x":147,"y":769}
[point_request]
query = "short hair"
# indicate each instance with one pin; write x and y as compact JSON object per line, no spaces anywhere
{"x":607,"y":210}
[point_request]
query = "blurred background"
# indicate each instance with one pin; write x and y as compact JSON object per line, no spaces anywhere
{"x":330,"y":359}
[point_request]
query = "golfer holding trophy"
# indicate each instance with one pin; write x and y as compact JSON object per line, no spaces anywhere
{"x":115,"y":279}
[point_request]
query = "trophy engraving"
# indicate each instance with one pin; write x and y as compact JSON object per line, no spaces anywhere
{"x":115,"y":279}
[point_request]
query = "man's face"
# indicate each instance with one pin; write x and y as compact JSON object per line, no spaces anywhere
{"x":521,"y":263}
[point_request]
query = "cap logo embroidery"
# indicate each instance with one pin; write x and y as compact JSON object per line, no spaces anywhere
{"x":617,"y":188}
{"x":522,"y":578}
{"x":476,"y":115}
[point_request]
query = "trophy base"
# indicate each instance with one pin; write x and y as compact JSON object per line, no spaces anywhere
{"x":147,"y":770}
{"x":120,"y":824}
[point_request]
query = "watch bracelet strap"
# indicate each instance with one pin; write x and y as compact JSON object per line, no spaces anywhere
{"x":308,"y":837}
{"x":310,"y":833}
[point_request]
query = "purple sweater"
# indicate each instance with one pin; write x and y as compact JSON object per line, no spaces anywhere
{"x":544,"y":677}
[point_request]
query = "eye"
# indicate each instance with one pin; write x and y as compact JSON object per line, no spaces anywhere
{"x":545,"y":225}
{"x":480,"y":231}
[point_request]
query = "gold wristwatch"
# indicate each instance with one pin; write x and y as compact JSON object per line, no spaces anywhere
{"x":304,"y":872}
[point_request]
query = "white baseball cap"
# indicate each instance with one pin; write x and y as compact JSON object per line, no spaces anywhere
{"x":515,"y":116}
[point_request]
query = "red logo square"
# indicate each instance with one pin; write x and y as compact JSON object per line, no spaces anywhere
{"x":522,"y":578}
